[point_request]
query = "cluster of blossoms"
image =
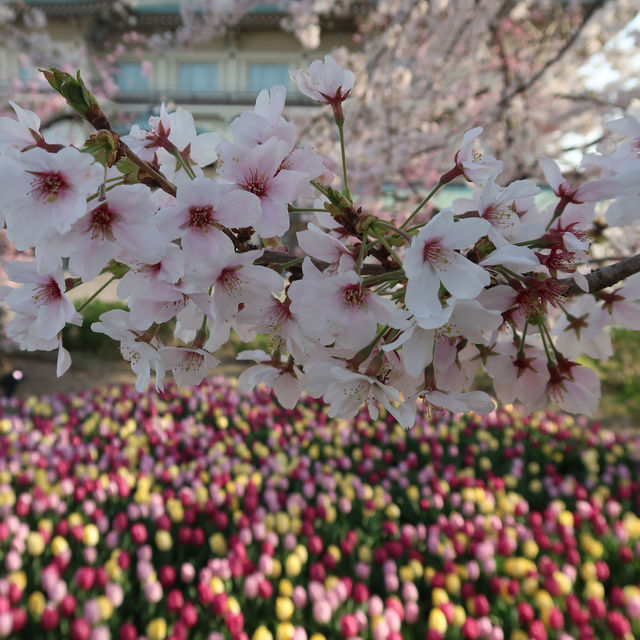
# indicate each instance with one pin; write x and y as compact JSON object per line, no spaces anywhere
{"x":367,"y":313}
{"x":210,"y":514}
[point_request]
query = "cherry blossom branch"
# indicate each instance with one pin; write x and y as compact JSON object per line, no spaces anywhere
{"x":607,"y":276}
{"x":157,"y":176}
{"x":521,"y":88}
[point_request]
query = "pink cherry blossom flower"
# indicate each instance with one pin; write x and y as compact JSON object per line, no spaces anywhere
{"x":339,"y":308}
{"x":315,"y":242}
{"x":56,"y":187}
{"x":573,"y":387}
{"x":202,"y":208}
{"x":174,"y":133}
{"x":594,"y":191}
{"x":281,"y":378}
{"x":42,"y":299}
{"x":517,"y":376}
{"x":152,"y":289}
{"x":583,"y":332}
{"x":502,"y":207}
{"x":237,"y":284}
{"x":122,"y":222}
{"x":258,"y":171}
{"x":325,"y":81}
{"x":474,"y":166}
{"x":265,"y":121}
{"x":432,"y":259}
{"x":623,"y":304}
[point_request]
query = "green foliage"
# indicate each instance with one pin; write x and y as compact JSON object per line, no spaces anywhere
{"x":620,"y":377}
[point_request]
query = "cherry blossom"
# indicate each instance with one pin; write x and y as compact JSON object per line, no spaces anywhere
{"x":258,"y":171}
{"x":279,"y":376}
{"x":325,"y":81}
{"x":338,"y":308}
{"x":432,"y":259}
{"x":474,"y":166}
{"x":56,"y":185}
{"x":362,"y":312}
{"x":202,"y":211}
{"x":140,"y":349}
{"x":41,"y":299}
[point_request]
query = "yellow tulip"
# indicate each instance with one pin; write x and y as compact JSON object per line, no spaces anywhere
{"x":157,"y":629}
{"x":284,"y":608}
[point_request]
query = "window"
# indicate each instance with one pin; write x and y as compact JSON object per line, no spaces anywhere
{"x":198,"y":77}
{"x":265,"y":76}
{"x":130,"y":77}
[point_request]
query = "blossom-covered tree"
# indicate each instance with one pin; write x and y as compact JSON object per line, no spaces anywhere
{"x":429,"y":70}
{"x":373,"y":312}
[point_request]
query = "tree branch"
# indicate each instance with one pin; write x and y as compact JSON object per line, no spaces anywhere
{"x":606,"y":276}
{"x":599,"y":279}
{"x":521,"y":88}
{"x":158,"y":176}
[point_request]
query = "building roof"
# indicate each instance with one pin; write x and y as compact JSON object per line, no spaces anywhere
{"x":151,"y":13}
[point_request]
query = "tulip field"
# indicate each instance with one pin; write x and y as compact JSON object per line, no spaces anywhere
{"x":208,"y":514}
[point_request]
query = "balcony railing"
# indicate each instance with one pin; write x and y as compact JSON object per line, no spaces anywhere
{"x":156,"y":96}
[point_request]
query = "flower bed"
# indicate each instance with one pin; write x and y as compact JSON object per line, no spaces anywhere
{"x":210,"y":514}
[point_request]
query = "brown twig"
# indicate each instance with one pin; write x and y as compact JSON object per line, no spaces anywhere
{"x":606,"y":276}
{"x":163,"y":183}
{"x":598,"y":279}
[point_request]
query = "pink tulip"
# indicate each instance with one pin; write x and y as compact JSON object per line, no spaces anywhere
{"x":299,"y":597}
{"x":322,"y":611}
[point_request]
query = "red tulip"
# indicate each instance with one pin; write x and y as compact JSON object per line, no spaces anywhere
{"x":67,"y":606}
{"x":19,"y":619}
{"x":525,"y":613}
{"x":470,"y":629}
{"x":50,"y":619}
{"x":80,"y":629}
{"x":189,"y":614}
{"x":167,"y":576}
{"x":138,"y":533}
{"x":128,"y":631}
{"x":175,"y":601}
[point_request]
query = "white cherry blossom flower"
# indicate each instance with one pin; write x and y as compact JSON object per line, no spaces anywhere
{"x":140,"y":350}
{"x":432,"y":259}
{"x":202,"y":208}
{"x":122,"y":226}
{"x":56,"y":186}
{"x":40,"y":304}
{"x":350,"y":390}
{"x":474,"y":166}
{"x":324,"y":81}
{"x":284,"y":380}
{"x":460,"y":402}
{"x":339,"y":308}
{"x":15,"y":135}
{"x":189,"y":364}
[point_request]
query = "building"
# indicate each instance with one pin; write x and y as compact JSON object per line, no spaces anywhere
{"x":216,"y":79}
